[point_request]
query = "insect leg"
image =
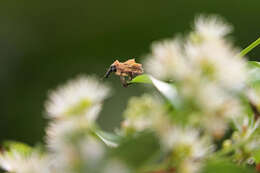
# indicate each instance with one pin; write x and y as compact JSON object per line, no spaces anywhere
{"x":123,"y":81}
{"x":131,"y":76}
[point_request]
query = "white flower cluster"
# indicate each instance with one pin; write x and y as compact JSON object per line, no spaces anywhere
{"x":209,"y":76}
{"x":74,"y":108}
{"x":142,"y":113}
{"x":187,"y":140}
{"x":71,"y":145}
{"x":185,"y":146}
{"x":81,"y":96}
{"x":205,"y":92}
{"x":207,"y":70}
{"x":245,"y":138}
{"x":166,"y":60}
{"x":24,"y":160}
{"x":188,"y":147}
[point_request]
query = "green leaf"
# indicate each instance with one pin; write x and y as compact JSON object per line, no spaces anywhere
{"x":250,"y":47}
{"x":225,"y":166}
{"x":142,"y":79}
{"x":168,"y":90}
{"x":256,"y":156}
{"x":18,"y":147}
{"x":254,"y":73}
{"x":109,"y":139}
{"x":254,"y":63}
{"x":138,"y":149}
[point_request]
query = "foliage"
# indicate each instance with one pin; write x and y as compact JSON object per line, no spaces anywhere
{"x":205,"y":119}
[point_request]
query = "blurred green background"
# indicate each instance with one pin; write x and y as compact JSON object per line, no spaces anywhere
{"x":45,"y":43}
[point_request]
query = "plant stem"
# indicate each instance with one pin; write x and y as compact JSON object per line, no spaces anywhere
{"x":250,"y":47}
{"x":224,"y":152}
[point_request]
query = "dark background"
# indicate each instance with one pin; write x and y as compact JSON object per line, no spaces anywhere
{"x":44,"y":43}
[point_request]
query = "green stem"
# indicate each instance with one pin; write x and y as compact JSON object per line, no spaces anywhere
{"x":224,"y":152}
{"x":250,"y":47}
{"x":232,"y":148}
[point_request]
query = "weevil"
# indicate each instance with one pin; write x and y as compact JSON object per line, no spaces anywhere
{"x":125,"y":70}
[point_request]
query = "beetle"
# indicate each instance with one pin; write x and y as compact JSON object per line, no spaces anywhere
{"x":125,"y":70}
